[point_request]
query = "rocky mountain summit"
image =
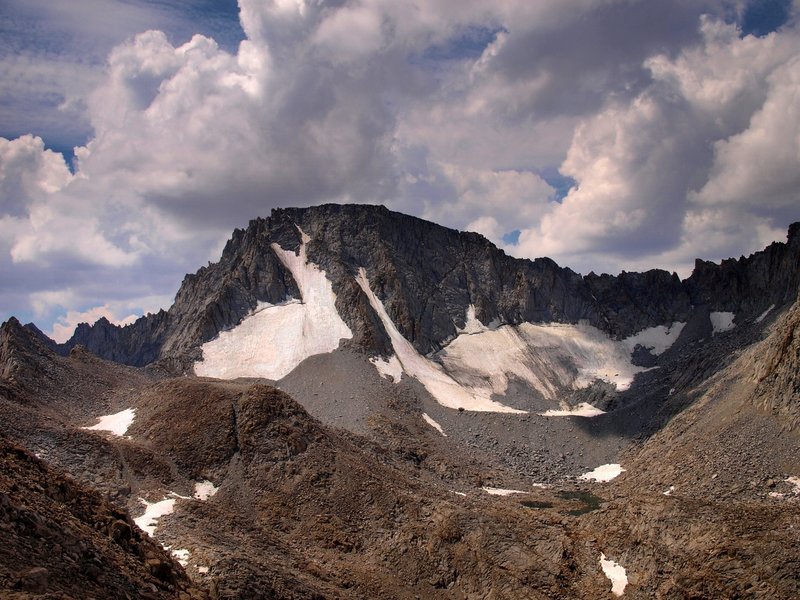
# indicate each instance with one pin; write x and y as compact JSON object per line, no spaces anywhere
{"x":353,"y":403}
{"x":427,"y":276}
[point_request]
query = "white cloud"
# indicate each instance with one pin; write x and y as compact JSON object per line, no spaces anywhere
{"x":664,"y":128}
{"x":702,"y":163}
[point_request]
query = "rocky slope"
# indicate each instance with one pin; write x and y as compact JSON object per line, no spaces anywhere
{"x":63,"y":540}
{"x":302,"y":510}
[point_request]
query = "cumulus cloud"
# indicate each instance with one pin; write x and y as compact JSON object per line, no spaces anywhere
{"x":703,"y":162}
{"x":679,"y":133}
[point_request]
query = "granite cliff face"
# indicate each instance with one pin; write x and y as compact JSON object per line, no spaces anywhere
{"x":427,"y":276}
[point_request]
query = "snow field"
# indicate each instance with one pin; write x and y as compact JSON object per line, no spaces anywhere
{"x":117,"y":423}
{"x":615,"y":573}
{"x":603,"y":473}
{"x":274,"y":339}
{"x":584,"y":409}
{"x":548,"y":357}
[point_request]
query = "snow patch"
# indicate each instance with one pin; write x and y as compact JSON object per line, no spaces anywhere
{"x":203,"y":490}
{"x":763,"y":315}
{"x":182,"y":556}
{"x":501,"y":491}
{"x":615,"y":573}
{"x":548,"y":357}
{"x":274,"y":339}
{"x":433,"y":424}
{"x":202,"y":570}
{"x":446,"y":390}
{"x":669,"y":491}
{"x":388,"y":369}
{"x":584,"y":409}
{"x":117,"y":423}
{"x":721,"y":322}
{"x":603,"y":473}
{"x":153,"y":511}
{"x":656,"y":339}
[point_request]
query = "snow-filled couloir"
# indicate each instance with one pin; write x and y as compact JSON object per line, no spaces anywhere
{"x":274,"y":339}
{"x":430,"y":374}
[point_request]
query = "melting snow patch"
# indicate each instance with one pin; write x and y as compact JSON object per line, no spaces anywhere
{"x":615,"y":573}
{"x":433,"y":424}
{"x":763,"y":315}
{"x":203,"y":490}
{"x":446,"y":390}
{"x":584,"y":409}
{"x":794,"y":482}
{"x":388,"y":369}
{"x":182,"y":556}
{"x":669,"y":491}
{"x":548,"y":357}
{"x":153,"y":511}
{"x":273,"y":340}
{"x":603,"y":473}
{"x":721,"y":322}
{"x":117,"y":423}
{"x":656,"y":339}
{"x":501,"y":491}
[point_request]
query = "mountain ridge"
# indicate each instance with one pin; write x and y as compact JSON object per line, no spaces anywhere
{"x":427,"y":276}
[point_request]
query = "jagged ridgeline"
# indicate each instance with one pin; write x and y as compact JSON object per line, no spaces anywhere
{"x":427,"y":278}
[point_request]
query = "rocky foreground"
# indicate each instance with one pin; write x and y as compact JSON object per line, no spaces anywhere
{"x":303,"y":510}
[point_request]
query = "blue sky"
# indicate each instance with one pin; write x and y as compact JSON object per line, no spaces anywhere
{"x":135,"y":135}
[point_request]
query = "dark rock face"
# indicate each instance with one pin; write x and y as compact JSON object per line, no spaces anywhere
{"x":427,"y":275}
{"x":64,"y":539}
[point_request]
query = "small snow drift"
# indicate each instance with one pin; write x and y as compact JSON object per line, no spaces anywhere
{"x":721,"y":322}
{"x":433,"y":424}
{"x":603,"y":473}
{"x":656,"y":339}
{"x":584,"y":409}
{"x":203,"y":490}
{"x":182,"y":556}
{"x":153,"y":511}
{"x":615,"y":573}
{"x":763,"y":315}
{"x":439,"y":384}
{"x":388,"y":369}
{"x":501,"y":491}
{"x":274,"y":339}
{"x":117,"y":423}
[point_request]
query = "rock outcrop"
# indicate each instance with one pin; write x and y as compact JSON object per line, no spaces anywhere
{"x":61,"y":539}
